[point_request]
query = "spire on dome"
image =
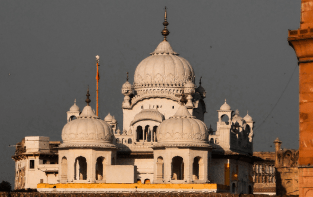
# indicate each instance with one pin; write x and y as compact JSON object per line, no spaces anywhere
{"x":87,"y":95}
{"x":127,"y":76}
{"x":165,"y":32}
{"x":200,"y":81}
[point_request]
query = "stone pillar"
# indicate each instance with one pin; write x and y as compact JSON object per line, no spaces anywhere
{"x":167,"y":167}
{"x":301,"y":40}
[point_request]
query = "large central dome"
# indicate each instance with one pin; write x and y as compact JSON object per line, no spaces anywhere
{"x":163,"y":68}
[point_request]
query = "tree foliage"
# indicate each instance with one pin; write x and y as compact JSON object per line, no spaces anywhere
{"x":5,"y":186}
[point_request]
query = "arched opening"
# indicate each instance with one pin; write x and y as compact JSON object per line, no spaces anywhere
{"x":147,"y":181}
{"x":100,"y":165}
{"x":197,"y":171}
{"x":250,"y":189}
{"x":139,"y":133}
{"x":72,"y":118}
{"x":225,"y":119}
{"x":160,"y":168}
{"x":155,"y":133}
{"x":64,"y":169}
{"x":146,"y":134}
{"x":211,"y":141}
{"x":177,"y":168}
{"x":80,"y":168}
{"x":233,"y":188}
{"x":130,"y":141}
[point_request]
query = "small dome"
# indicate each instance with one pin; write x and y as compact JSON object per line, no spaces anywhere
{"x":88,"y":130}
{"x":163,"y":68}
{"x":248,"y":118}
{"x":182,"y":129}
{"x":189,"y":87}
{"x":237,"y":117}
{"x":127,"y":88}
{"x":74,"y":107}
{"x":201,"y":91}
{"x":148,"y":114}
{"x":108,"y":118}
{"x":225,"y":107}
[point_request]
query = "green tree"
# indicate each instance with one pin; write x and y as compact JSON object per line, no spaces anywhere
{"x":5,"y":186}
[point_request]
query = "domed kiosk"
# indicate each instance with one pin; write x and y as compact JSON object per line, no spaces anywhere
{"x":86,"y":149}
{"x":182,"y":153}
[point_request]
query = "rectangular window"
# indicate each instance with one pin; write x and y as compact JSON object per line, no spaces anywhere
{"x":32,"y":164}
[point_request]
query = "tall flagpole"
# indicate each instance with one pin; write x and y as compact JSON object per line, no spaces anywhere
{"x":97,"y":77}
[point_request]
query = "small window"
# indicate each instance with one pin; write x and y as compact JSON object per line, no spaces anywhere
{"x":44,"y":161}
{"x":31,"y":164}
{"x":141,"y":106}
{"x":157,"y":107}
{"x":172,"y":107}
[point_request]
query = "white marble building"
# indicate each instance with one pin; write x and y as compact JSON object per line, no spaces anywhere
{"x":163,"y":137}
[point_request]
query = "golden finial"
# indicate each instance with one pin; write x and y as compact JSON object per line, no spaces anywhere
{"x":88,"y":100}
{"x":165,"y":32}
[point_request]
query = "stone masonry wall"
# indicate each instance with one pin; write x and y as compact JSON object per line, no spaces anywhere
{"x":169,"y":194}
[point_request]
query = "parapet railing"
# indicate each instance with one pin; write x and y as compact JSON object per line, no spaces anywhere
{"x":300,"y":32}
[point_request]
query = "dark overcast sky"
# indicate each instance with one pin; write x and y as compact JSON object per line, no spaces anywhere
{"x":240,"y":48}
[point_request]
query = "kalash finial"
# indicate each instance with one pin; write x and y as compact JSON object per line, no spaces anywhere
{"x":165,"y":32}
{"x":200,"y":81}
{"x":127,"y":76}
{"x":88,"y":100}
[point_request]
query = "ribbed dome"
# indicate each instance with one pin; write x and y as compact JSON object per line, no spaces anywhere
{"x":183,"y":129}
{"x":163,"y":68}
{"x":225,"y":107}
{"x":88,"y":130}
